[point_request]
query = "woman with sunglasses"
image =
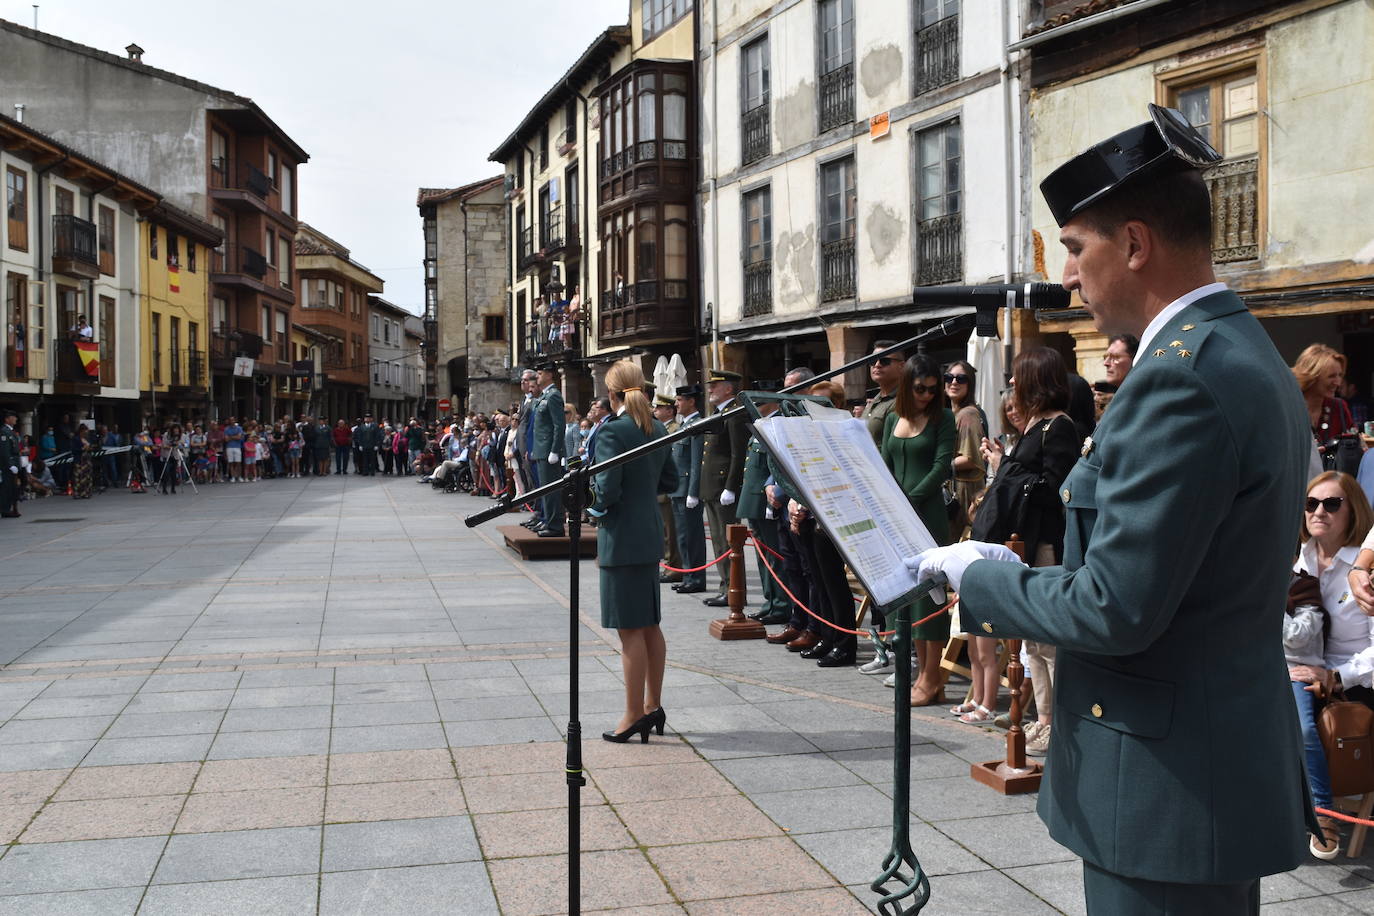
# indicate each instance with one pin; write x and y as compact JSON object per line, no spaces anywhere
{"x":918,"y":447}
{"x":970,"y":471}
{"x":1336,"y":518}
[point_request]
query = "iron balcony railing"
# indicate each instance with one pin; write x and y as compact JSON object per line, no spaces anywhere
{"x":758,"y":288}
{"x":229,"y":343}
{"x":237,"y":175}
{"x":552,"y":229}
{"x":528,"y":253}
{"x":837,"y":270}
{"x":757,"y":138}
{"x":195,"y":369}
{"x":74,"y":238}
{"x":939,"y":250}
{"x":837,"y":97}
{"x":937,"y":54}
{"x":1234,"y":187}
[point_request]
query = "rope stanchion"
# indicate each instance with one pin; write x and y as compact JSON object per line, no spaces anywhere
{"x":718,"y":559}
{"x":1341,"y":816}
{"x":797,"y":601}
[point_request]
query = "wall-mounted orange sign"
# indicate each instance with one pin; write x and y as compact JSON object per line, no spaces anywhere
{"x":878,"y":126}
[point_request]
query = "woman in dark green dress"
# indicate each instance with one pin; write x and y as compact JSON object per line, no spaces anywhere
{"x":629,"y":542}
{"x":918,"y":447}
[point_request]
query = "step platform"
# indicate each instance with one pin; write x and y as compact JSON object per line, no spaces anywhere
{"x":531,"y":546}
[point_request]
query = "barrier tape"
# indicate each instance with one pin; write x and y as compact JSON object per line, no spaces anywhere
{"x":698,"y":568}
{"x":1341,"y":816}
{"x":834,"y":626}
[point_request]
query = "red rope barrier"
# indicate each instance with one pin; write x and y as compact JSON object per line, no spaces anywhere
{"x":1341,"y":816}
{"x":696,"y":569}
{"x":828,"y":623}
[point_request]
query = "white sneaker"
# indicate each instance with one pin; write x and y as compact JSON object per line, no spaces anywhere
{"x":878,"y":665}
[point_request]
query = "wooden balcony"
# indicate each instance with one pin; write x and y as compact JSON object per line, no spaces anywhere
{"x":74,"y":251}
{"x":646,"y":312}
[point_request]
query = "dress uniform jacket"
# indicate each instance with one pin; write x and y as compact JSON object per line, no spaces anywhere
{"x":548,"y":424}
{"x":1176,"y":754}
{"x":752,"y":503}
{"x":631,"y":531}
{"x":10,"y":447}
{"x":722,"y":461}
{"x":687,"y":459}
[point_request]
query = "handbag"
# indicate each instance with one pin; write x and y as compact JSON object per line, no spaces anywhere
{"x":1346,"y":729}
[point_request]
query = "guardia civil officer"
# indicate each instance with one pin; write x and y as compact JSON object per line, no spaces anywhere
{"x":548,"y":444}
{"x":686,"y":496}
{"x":9,"y":465}
{"x":722,"y":472}
{"x":665,"y":412}
{"x":758,"y":515}
{"x":1176,"y":766}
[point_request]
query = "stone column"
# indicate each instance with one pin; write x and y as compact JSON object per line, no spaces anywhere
{"x":848,"y":343}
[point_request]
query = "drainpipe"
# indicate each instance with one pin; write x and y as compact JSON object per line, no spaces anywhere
{"x":584,"y":204}
{"x":1012,"y":195}
{"x":467,"y":306}
{"x":700,"y":168}
{"x":715,"y":208}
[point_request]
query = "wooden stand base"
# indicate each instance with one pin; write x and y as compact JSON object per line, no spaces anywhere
{"x":997,"y":775}
{"x":531,"y":546}
{"x":737,"y":629}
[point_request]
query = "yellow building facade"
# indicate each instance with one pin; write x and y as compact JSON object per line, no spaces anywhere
{"x":176,"y":250}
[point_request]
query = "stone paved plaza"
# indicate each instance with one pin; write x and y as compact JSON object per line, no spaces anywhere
{"x":328,"y":695}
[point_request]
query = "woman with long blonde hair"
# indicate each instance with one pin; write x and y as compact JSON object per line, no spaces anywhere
{"x":629,"y":540}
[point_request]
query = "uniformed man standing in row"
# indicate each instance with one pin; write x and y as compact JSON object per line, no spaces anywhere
{"x":757,"y":514}
{"x":1176,"y":770}
{"x":722,"y":472}
{"x":665,"y":412}
{"x":547,"y":448}
{"x":687,"y":508}
{"x":10,"y":448}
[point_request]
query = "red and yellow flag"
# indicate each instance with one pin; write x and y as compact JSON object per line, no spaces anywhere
{"x":173,"y":278}
{"x":90,"y":357}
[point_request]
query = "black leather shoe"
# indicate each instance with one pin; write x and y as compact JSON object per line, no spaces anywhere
{"x":773,"y":620}
{"x":550,"y":533}
{"x":819,"y":650}
{"x":670,"y":577}
{"x":838,"y":657}
{"x":759,"y":616}
{"x":689,"y":589}
{"x":716,"y":601}
{"x":529,"y":523}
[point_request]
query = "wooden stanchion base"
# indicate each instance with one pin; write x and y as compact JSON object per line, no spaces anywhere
{"x":997,"y":775}
{"x":737,"y":629}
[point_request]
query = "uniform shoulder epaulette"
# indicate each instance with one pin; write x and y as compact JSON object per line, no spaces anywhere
{"x":1179,"y":344}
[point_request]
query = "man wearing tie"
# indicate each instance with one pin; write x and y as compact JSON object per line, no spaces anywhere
{"x":547,"y":447}
{"x":687,"y":509}
{"x":722,"y":472}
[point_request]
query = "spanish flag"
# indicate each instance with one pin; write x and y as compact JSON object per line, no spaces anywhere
{"x":90,"y":357}
{"x":173,"y":278}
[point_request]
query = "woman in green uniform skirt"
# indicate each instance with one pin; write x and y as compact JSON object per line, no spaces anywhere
{"x":629,"y":543}
{"x":918,"y":447}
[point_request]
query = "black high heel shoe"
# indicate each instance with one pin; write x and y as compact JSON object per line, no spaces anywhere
{"x":641,"y":727}
{"x":657,"y":719}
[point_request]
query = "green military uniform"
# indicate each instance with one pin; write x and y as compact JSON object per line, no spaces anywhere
{"x":875,"y":415}
{"x":548,"y":443}
{"x":722,"y":469}
{"x":688,"y":521}
{"x":753,"y":509}
{"x":1175,"y":769}
{"x":10,"y":448}
{"x":630,"y":531}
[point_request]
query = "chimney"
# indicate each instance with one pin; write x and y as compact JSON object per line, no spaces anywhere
{"x":135,"y":53}
{"x":19,"y":112}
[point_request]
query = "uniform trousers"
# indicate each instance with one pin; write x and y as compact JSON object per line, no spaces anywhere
{"x":670,"y":549}
{"x":691,"y":541}
{"x":719,"y":518}
{"x":553,"y":502}
{"x":532,"y":483}
{"x":775,"y":600}
{"x":9,"y":491}
{"x":1110,"y":894}
{"x":793,"y":572}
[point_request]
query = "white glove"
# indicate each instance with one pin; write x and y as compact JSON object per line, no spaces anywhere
{"x":955,"y":559}
{"x":13,"y":469}
{"x":727,"y":498}
{"x":554,"y":460}
{"x":693,"y":502}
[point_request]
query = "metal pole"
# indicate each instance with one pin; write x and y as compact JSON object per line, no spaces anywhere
{"x":574,"y":486}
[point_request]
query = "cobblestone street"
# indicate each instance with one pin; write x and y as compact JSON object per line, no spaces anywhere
{"x":328,"y":695}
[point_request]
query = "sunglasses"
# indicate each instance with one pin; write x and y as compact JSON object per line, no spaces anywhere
{"x":886,"y":360}
{"x":925,"y":389}
{"x":1331,"y":504}
{"x":951,"y":379}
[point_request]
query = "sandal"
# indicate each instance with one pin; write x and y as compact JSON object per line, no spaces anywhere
{"x":963,"y":709}
{"x":981,"y":714}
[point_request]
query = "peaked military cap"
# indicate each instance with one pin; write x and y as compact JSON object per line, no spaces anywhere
{"x":724,"y":375}
{"x":663,"y":400}
{"x":691,"y":391}
{"x":1165,"y":143}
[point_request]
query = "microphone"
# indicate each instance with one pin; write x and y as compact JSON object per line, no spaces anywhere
{"x":995,"y":296}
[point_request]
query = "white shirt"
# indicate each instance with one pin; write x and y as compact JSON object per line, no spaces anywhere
{"x":1167,"y":314}
{"x":1350,"y":644}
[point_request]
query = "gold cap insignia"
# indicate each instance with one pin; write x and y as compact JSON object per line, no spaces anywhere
{"x":1188,"y":327}
{"x":1160,"y":352}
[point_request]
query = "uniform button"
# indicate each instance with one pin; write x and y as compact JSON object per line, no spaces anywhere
{"x":987,"y":628}
{"x":1097,"y":711}
{"x":1065,"y":494}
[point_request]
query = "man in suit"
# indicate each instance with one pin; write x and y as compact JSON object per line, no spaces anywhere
{"x":722,"y":472}
{"x":523,"y":433}
{"x":547,"y":446}
{"x":1173,"y":711}
{"x":665,"y":412}
{"x":686,"y":497}
{"x":367,"y":439}
{"x":9,"y":465}
{"x":753,"y":510}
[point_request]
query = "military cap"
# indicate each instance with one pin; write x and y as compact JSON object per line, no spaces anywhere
{"x":724,"y":375}
{"x":691,"y":391}
{"x":547,"y":365}
{"x":663,"y":400}
{"x":1165,"y":143}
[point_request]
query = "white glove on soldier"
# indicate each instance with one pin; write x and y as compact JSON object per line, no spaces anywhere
{"x":955,"y":559}
{"x":727,"y":498}
{"x":693,"y":502}
{"x":554,"y":461}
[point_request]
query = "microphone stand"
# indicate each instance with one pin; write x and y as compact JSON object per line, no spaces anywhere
{"x":574,"y":486}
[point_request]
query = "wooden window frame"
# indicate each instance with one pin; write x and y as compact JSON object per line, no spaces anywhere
{"x":1223,"y":63}
{"x":106,"y":240}
{"x":18,"y":229}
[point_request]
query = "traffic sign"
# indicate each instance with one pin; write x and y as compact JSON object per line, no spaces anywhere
{"x":444,"y":405}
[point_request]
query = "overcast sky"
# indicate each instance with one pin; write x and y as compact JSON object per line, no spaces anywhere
{"x":385,"y":97}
